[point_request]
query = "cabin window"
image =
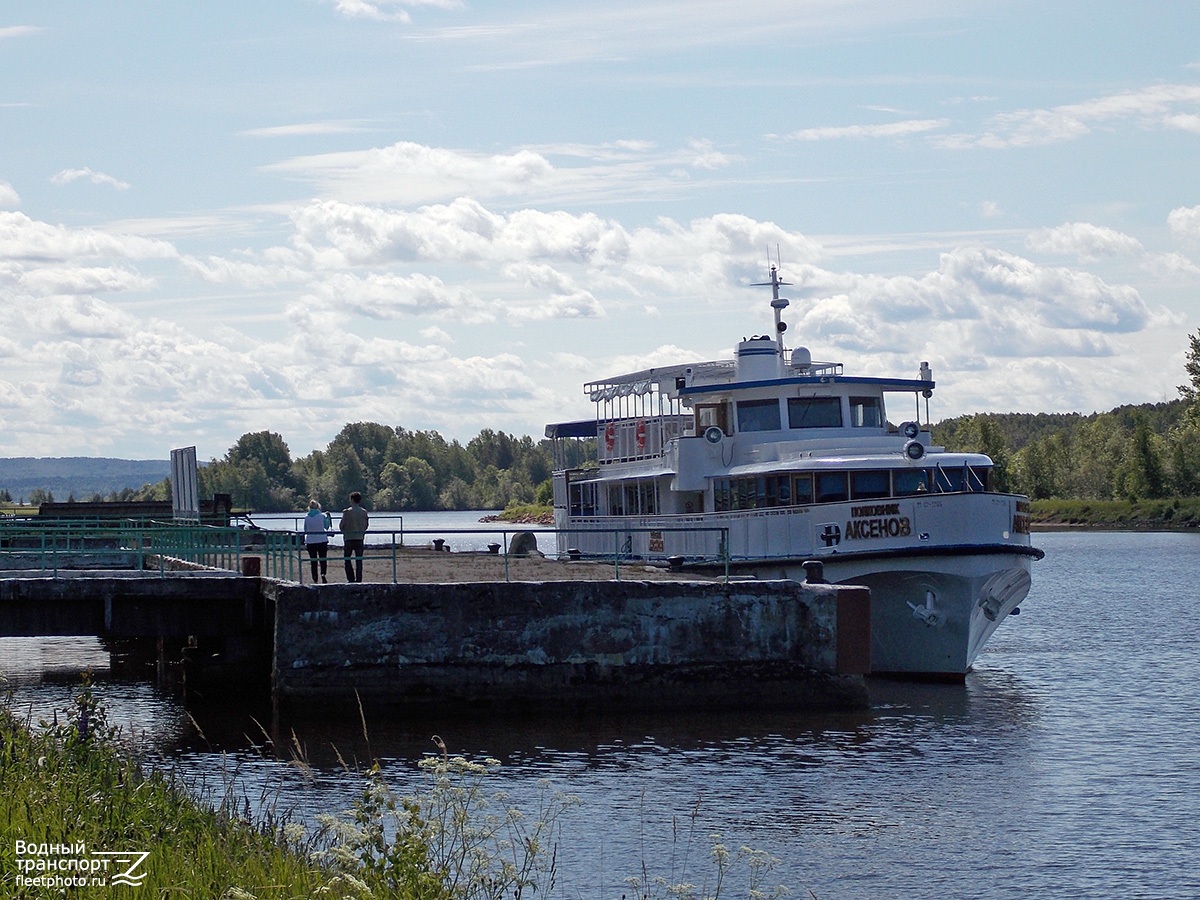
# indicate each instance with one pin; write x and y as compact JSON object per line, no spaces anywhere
{"x":640,"y":498}
{"x":758,"y":415}
{"x":978,"y":478}
{"x":583,"y":499}
{"x":865,"y":412}
{"x":869,"y":485}
{"x":831,"y":487}
{"x":906,"y":482}
{"x":720,"y":494}
{"x":802,"y":490}
{"x":814,"y":412}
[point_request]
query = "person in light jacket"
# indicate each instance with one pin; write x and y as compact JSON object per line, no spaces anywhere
{"x":353,"y":526}
{"x":316,"y":539}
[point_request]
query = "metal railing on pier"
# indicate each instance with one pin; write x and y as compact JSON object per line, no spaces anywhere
{"x":53,"y":547}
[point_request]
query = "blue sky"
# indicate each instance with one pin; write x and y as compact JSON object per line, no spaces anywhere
{"x":443,"y":214}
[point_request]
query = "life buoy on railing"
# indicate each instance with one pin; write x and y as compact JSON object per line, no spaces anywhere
{"x":610,"y":436}
{"x":640,"y":434}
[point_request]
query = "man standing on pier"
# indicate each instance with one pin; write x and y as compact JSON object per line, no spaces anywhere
{"x":353,"y":527}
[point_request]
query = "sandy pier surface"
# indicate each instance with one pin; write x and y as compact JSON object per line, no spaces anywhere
{"x":421,"y":566}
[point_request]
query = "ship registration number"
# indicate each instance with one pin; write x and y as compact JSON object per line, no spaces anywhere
{"x":880,"y":520}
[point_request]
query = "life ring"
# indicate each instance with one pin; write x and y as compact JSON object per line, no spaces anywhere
{"x":610,"y":436}
{"x":640,"y":435}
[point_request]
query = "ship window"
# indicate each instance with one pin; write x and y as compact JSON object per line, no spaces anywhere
{"x":709,"y":414}
{"x":906,"y":482}
{"x":758,"y":415}
{"x":831,"y":487}
{"x":802,"y":490}
{"x":583,"y":499}
{"x":814,"y":412}
{"x":978,"y":480}
{"x":868,"y":485}
{"x":721,"y":494}
{"x":783,"y":485}
{"x":864,"y":412}
{"x":948,"y":481}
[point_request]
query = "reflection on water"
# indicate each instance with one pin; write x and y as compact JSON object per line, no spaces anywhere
{"x":1063,"y":767}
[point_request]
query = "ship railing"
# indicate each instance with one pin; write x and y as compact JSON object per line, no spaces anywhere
{"x":630,"y":439}
{"x":677,"y":545}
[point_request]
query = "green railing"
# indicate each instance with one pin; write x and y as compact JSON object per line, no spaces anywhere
{"x":55,"y":546}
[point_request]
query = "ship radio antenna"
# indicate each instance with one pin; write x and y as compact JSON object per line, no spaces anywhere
{"x":778,"y":304}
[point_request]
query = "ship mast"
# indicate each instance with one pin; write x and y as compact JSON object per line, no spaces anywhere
{"x":779,"y":304}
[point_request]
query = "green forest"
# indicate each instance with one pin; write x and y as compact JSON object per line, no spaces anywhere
{"x":1132,"y":453}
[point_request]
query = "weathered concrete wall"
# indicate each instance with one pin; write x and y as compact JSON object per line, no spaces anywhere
{"x":546,"y":646}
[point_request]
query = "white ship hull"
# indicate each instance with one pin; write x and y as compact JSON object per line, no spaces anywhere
{"x":943,"y":572}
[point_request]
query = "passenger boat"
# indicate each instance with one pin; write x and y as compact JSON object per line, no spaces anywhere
{"x":772,"y":460}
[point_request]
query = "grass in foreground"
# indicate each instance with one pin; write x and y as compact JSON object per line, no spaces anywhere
{"x":72,"y":797}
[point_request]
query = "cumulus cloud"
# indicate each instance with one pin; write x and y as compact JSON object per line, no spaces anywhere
{"x":23,"y":238}
{"x":8,"y":196}
{"x":386,"y":296}
{"x":1184,"y":223}
{"x":1083,"y":240}
{"x":980,"y":300}
{"x":407,"y":173}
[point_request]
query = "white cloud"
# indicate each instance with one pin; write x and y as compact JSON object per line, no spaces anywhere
{"x":385,"y":296}
{"x":1154,"y":107}
{"x":310,"y":129}
{"x":407,"y":173}
{"x":16,"y":31}
{"x":66,"y":176}
{"x":387,"y":10}
{"x":865,"y":132}
{"x":8,"y":196}
{"x":1184,"y":223}
{"x":24,"y":239}
{"x":1086,"y":241}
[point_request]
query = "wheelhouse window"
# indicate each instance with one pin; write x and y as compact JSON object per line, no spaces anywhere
{"x":906,"y":482}
{"x":869,"y":485}
{"x":814,"y":412}
{"x":947,"y":480}
{"x":758,"y":415}
{"x":710,"y":414}
{"x":805,"y":488}
{"x":865,"y":412}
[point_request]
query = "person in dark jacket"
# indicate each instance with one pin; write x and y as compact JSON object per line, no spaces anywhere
{"x":353,"y":526}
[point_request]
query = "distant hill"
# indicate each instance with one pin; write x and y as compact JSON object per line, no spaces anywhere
{"x":78,"y":476}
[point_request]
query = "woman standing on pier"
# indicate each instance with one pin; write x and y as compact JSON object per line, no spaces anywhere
{"x":317,"y":525}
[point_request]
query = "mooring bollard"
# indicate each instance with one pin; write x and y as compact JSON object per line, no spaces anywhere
{"x":814,"y":571}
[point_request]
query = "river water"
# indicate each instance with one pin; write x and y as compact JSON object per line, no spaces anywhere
{"x":1066,"y":766}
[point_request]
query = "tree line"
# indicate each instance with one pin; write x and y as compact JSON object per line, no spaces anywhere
{"x":1145,"y":452}
{"x":393,"y":468}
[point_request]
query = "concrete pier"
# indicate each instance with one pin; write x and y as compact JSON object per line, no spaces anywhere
{"x":552,"y":646}
{"x":538,"y":646}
